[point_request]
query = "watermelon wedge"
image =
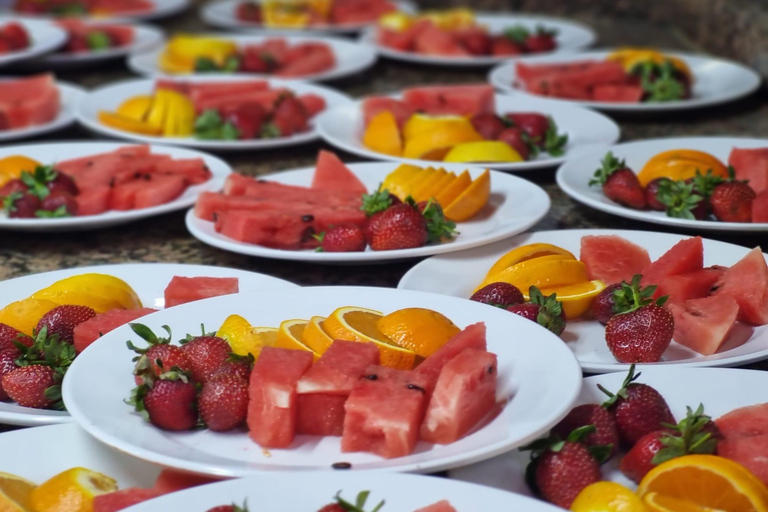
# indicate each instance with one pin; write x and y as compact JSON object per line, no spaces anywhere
{"x":432,"y":40}
{"x":374,"y":105}
{"x":440,"y":506}
{"x":618,"y":93}
{"x":188,"y":289}
{"x":612,"y":259}
{"x":28,"y":101}
{"x":760,"y":207}
{"x":746,"y":438}
{"x":89,"y":331}
{"x":124,"y":498}
{"x":747,"y":283}
{"x":471,"y":337}
{"x":685,"y":256}
{"x":462,"y":100}
{"x":332,"y":174}
{"x":239,"y":185}
{"x":691,"y":285}
{"x":703,"y":325}
{"x":751,"y":165}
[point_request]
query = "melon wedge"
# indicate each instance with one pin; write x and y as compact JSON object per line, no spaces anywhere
{"x":703,"y":325}
{"x":747,"y":283}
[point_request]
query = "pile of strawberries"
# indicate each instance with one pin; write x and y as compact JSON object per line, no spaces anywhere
{"x":528,"y":133}
{"x":546,"y":311}
{"x":517,"y":40}
{"x":636,"y":418}
{"x":13,"y":37}
{"x":44,"y":193}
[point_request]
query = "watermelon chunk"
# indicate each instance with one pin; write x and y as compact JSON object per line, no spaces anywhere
{"x":612,"y":259}
{"x":320,"y":414}
{"x":703,"y":325}
{"x":93,"y":201}
{"x":685,"y":256}
{"x":193,"y":169}
{"x":188,"y":289}
{"x":744,"y":422}
{"x":751,"y":165}
{"x":533,"y":71}
{"x":171,"y":480}
{"x":239,"y":185}
{"x":746,"y":438}
{"x":747,"y":283}
{"x":471,"y":337}
{"x":272,"y":407}
{"x":92,"y":329}
{"x":760,"y":207}
{"x":159,"y":190}
{"x":118,"y":500}
{"x":374,"y":105}
{"x":312,"y":103}
{"x":440,"y":506}
{"x":462,"y":100}
{"x":402,"y":40}
{"x":307,"y":59}
{"x":210,"y":204}
{"x":692,"y":285}
{"x":332,"y":174}
{"x":265,"y":99}
{"x":28,"y":101}
{"x":618,"y":93}
{"x":432,"y":40}
{"x":558,"y":88}
{"x":464,"y":394}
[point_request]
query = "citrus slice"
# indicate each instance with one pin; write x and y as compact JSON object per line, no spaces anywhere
{"x":418,"y":329}
{"x":395,"y":182}
{"x":454,"y":188}
{"x":397,"y":21}
{"x":290,"y":334}
{"x":244,"y":338}
{"x":483,"y":151}
{"x":25,"y":314}
{"x":679,"y":165}
{"x":656,"y":502}
{"x":72,"y":491}
{"x":438,"y":187}
{"x":607,"y":497}
{"x":127,"y":124}
{"x":527,"y":252}
{"x":359,"y":324}
{"x":419,"y":125}
{"x":15,"y":493}
{"x":315,"y":337}
{"x":418,"y":179}
{"x":575,"y":298}
{"x":136,"y":107}
{"x":432,"y":137}
{"x":101,"y":292}
{"x":189,"y":48}
{"x":544,"y":272}
{"x":707,"y":481}
{"x":383,"y":135}
{"x":174,"y":65}
{"x":421,"y":193}
{"x":471,"y":201}
{"x":14,"y":165}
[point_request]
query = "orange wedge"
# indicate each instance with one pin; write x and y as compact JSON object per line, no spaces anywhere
{"x":420,"y":193}
{"x":679,"y":165}
{"x":421,"y":330}
{"x":656,"y":502}
{"x":439,"y":186}
{"x":527,"y":252}
{"x":101,"y":292}
{"x":482,"y":151}
{"x":607,"y":497}
{"x":127,"y":124}
{"x":454,"y":189}
{"x":471,"y":201}
{"x":244,"y":338}
{"x":544,"y":272}
{"x":290,"y":335}
{"x":396,"y":181}
{"x":136,"y":107}
{"x":25,"y":314}
{"x":14,"y":165}
{"x":418,"y":179}
{"x":575,"y":298}
{"x":72,"y":491}
{"x":15,"y":493}
{"x":315,"y":337}
{"x":383,"y":135}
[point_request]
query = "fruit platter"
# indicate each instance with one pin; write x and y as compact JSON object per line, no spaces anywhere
{"x":334,"y":213}
{"x":631,"y":297}
{"x":628,"y":79}
{"x":662,"y":428}
{"x":706,"y":183}
{"x":287,"y":57}
{"x":462,"y":37}
{"x":134,"y":9}
{"x":21,"y":39}
{"x":72,"y":308}
{"x":466,"y":124}
{"x":88,"y":185}
{"x":543,"y":378}
{"x":209,"y":112}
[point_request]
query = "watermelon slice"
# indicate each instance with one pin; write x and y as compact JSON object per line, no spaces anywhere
{"x":703,"y":325}
{"x":272,"y":405}
{"x":618,"y":93}
{"x":171,"y":480}
{"x":685,"y":256}
{"x":93,"y":200}
{"x":265,"y":99}
{"x":760,"y":207}
{"x":750,"y":452}
{"x":89,"y":331}
{"x":533,"y":71}
{"x":471,"y":337}
{"x":402,"y":40}
{"x":210,"y":204}
{"x":747,"y":283}
{"x":332,"y":174}
{"x":118,"y":500}
{"x":692,"y":285}
{"x":432,"y":40}
{"x":312,"y":103}
{"x":440,"y":506}
{"x":744,"y":422}
{"x":307,"y":59}
{"x":374,"y":105}
{"x":464,"y":394}
{"x":320,"y":414}
{"x":193,"y":169}
{"x":462,"y":100}
{"x":360,"y":11}
{"x":558,"y":88}
{"x":28,"y":101}
{"x":239,"y":185}
{"x":612,"y":259}
{"x":188,"y":289}
{"x":159,"y":190}
{"x":751,"y":165}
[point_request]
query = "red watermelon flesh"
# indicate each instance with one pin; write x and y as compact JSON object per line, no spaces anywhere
{"x":685,"y":256}
{"x":374,"y":105}
{"x":332,"y":174}
{"x":693,"y":285}
{"x":703,"y":325}
{"x":747,"y":421}
{"x":618,"y":93}
{"x":193,"y":169}
{"x":29,"y":101}
{"x":307,"y":59}
{"x":189,"y":289}
{"x":440,"y":506}
{"x":313,"y":103}
{"x":77,"y":166}
{"x":123,"y":196}
{"x":170,"y":480}
{"x":747,"y":282}
{"x":265,"y":99}
{"x":159,"y":190}
{"x":89,"y":331}
{"x":339,"y":368}
{"x":320,"y":414}
{"x":558,"y":88}
{"x":239,"y":185}
{"x":277,"y":48}
{"x":612,"y":259}
{"x":402,"y":40}
{"x":360,"y":11}
{"x":384,"y":411}
{"x":471,"y":337}
{"x":600,"y":73}
{"x":750,"y":452}
{"x":533,"y":71}
{"x":464,"y":394}
{"x":119,"y":500}
{"x":432,"y":40}
{"x":463,"y":100}
{"x":93,"y":201}
{"x":272,"y":407}
{"x":212,"y":88}
{"x":760,"y":207}
{"x":751,"y":165}
{"x":211,"y":203}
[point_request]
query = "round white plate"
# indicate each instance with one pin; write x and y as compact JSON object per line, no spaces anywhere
{"x":542,"y":379}
{"x":44,"y":38}
{"x":222,"y":14}
{"x":574,"y":175}
{"x":149,"y":280}
{"x":515,"y":205}
{"x":401,"y":493}
{"x":111,"y":96}
{"x":716,"y":81}
{"x":571,"y":36}
{"x":721,"y":390}
{"x":54,"y":152}
{"x":70,"y":95}
{"x":458,"y":275}
{"x":351,"y":58}
{"x":343,"y":127}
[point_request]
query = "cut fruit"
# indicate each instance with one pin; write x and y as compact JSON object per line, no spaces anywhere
{"x":420,"y":193}
{"x":128,"y":124}
{"x":576,"y":299}
{"x":612,"y":259}
{"x":440,"y":506}
{"x":73,"y":489}
{"x":94,"y":328}
{"x":685,"y":256}
{"x":454,"y":189}
{"x":440,"y":138}
{"x":332,"y":174}
{"x":525,"y":253}
{"x":471,"y":337}
{"x":182,"y":290}
{"x":458,"y":100}
{"x":289,"y":335}
{"x":421,"y":330}
{"x":747,"y":282}
{"x":749,"y":451}
{"x":383,"y":135}
{"x":607,"y":497}
{"x":124,"y":498}
{"x":751,"y":165}
{"x":543,"y":272}
{"x":397,"y":181}
{"x":431,"y":193}
{"x":471,"y":200}
{"x":15,"y":493}
{"x":482,"y":151}
{"x":101,"y":292}
{"x":136,"y":108}
{"x":703,"y":325}
{"x":693,"y":285}
{"x":24,"y":315}
{"x":680,"y":165}
{"x":11,"y":167}
{"x":660,"y":503}
{"x":244,"y":338}
{"x":315,"y":337}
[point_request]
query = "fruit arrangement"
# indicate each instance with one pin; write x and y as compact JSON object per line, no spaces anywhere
{"x":273,"y":56}
{"x":692,"y":184}
{"x":309,"y":13}
{"x":339,"y":504}
{"x":129,"y":178}
{"x":87,"y":37}
{"x":644,"y":305}
{"x":13,"y":37}
{"x":240,"y":110}
{"x":456,"y":33}
{"x":40,"y":336}
{"x":66,"y":8}
{"x":695,"y":464}
{"x":28,"y":101}
{"x":456,"y":124}
{"x":631,"y":75}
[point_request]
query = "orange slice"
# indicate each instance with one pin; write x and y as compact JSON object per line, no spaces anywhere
{"x":432,"y":137}
{"x":679,"y":165}
{"x":421,"y":330}
{"x":544,"y":272}
{"x":383,"y":135}
{"x":439,"y":186}
{"x":656,"y":502}
{"x":136,"y":107}
{"x":482,"y":151}
{"x":72,"y":490}
{"x":396,"y":181}
{"x":127,"y":124}
{"x":420,"y":193}
{"x":14,"y":165}
{"x":244,"y":338}
{"x":315,"y":337}
{"x":525,"y":253}
{"x":454,"y":189}
{"x":101,"y":292}
{"x":607,"y":497}
{"x":417,"y":180}
{"x":290,"y":335}
{"x":24,"y":315}
{"x":471,"y":201}
{"x":15,"y":493}
{"x":575,"y":298}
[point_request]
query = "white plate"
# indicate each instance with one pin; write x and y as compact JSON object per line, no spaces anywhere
{"x":716,"y":81}
{"x":44,"y":38}
{"x":162,"y":9}
{"x":58,"y":151}
{"x":721,"y":390}
{"x":149,"y":280}
{"x":514,"y":206}
{"x":70,"y":95}
{"x":222,"y":14}
{"x":543,"y":377}
{"x":571,"y":36}
{"x":401,"y":493}
{"x":458,"y":275}
{"x":111,"y":96}
{"x":351,"y":57}
{"x":574,"y":175}
{"x":343,"y":127}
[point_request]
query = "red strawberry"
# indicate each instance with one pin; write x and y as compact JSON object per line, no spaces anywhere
{"x":7,"y":365}
{"x":37,"y":386}
{"x":158,"y":357}
{"x":62,"y":320}
{"x":619,"y":182}
{"x":499,"y":294}
{"x":223,"y":402}
{"x":603,"y":305}
{"x":639,"y":460}
{"x":504,"y":46}
{"x":534,"y":124}
{"x":21,"y":205}
{"x":168,"y":403}
{"x":247,"y":11}
{"x":541,"y":41}
{"x":637,"y":408}
{"x":11,"y":187}
{"x":605,"y":433}
{"x":732,"y":201}
{"x":290,"y":116}
{"x":15,"y":35}
{"x":8,"y":335}
{"x":343,"y":238}
{"x":401,"y":226}
{"x":652,"y":192}
{"x":333,"y":507}
{"x":206,"y":354}
{"x":229,"y":508}
{"x":488,"y":125}
{"x":545,"y":311}
{"x":515,"y":138}
{"x":63,"y":183}
{"x":59,"y":204}
{"x":342,"y":505}
{"x":240,"y":369}
{"x":248,"y":118}
{"x":255,"y":60}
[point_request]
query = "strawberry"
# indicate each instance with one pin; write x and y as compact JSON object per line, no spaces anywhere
{"x":223,"y":402}
{"x":545,"y":311}
{"x":247,"y":11}
{"x":499,"y":294}
{"x":637,"y":408}
{"x":168,"y":402}
{"x":732,"y":201}
{"x":438,"y":227}
{"x":248,"y":118}
{"x":11,"y":187}
{"x":401,"y":226}
{"x":378,"y":201}
{"x":8,"y":337}
{"x":619,"y":182}
{"x":62,"y":320}
{"x":333,"y":507}
{"x":15,"y":35}
{"x":542,"y":41}
{"x":652,"y":192}
{"x":342,"y":505}
{"x":516,"y":139}
{"x":487,"y":124}
{"x":37,"y":386}
{"x":158,"y":357}
{"x":21,"y":205}
{"x":641,"y":330}
{"x":476,"y":43}
{"x":639,"y":459}
{"x":63,"y":183}
{"x":503,"y":46}
{"x":603,"y":307}
{"x":7,"y":365}
{"x":532,"y":123}
{"x":206,"y":354}
{"x":255,"y":60}
{"x":58,"y":204}
{"x":289,"y":116}
{"x":236,"y":366}
{"x":605,"y":433}
{"x":229,"y":508}
{"x":681,"y":200}
{"x":342,"y":238}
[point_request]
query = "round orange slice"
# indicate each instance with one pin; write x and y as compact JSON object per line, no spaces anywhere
{"x":418,"y":329}
{"x":525,"y":253}
{"x":315,"y":337}
{"x":290,"y":335}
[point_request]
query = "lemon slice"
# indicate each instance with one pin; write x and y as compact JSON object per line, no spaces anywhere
{"x":483,"y":151}
{"x":544,"y":272}
{"x":607,"y":497}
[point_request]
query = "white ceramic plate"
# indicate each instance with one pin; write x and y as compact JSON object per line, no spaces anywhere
{"x":401,"y":493}
{"x":111,"y":96}
{"x":162,"y":9}
{"x":70,"y":95}
{"x":149,"y":280}
{"x":222,"y":14}
{"x":55,"y":152}
{"x":543,"y":377}
{"x":571,"y":36}
{"x":44,"y":38}
{"x":515,"y":205}
{"x":574,"y":175}
{"x":343,"y":127}
{"x":351,"y":58}
{"x":716,"y":81}
{"x":721,"y":390}
{"x":458,"y":275}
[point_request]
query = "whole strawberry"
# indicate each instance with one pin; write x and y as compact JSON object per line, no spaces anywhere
{"x":158,"y":357}
{"x":620,"y":183}
{"x":438,"y":227}
{"x":603,"y":307}
{"x":168,"y":403}
{"x":8,"y":337}
{"x":487,"y":124}
{"x":37,"y":386}
{"x":332,"y":507}
{"x":546,"y":311}
{"x":62,"y":320}
{"x":401,"y":226}
{"x":605,"y":433}
{"x":342,"y":505}
{"x":652,"y":192}
{"x":342,"y":238}
{"x":639,"y":459}
{"x":732,"y":201}
{"x":223,"y":402}
{"x":499,"y":294}
{"x":7,"y":365}
{"x":235,"y":367}
{"x":21,"y":205}
{"x":206,"y":355}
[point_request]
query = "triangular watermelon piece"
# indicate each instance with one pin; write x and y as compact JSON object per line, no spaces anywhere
{"x":747,"y":282}
{"x":471,"y":337}
{"x":332,"y":174}
{"x":685,"y":256}
{"x":704,"y":324}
